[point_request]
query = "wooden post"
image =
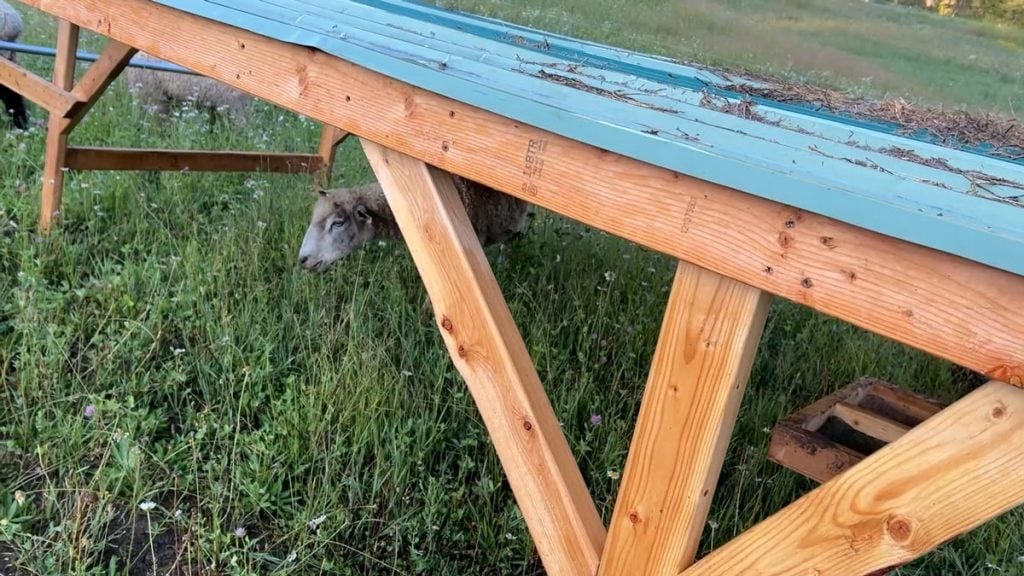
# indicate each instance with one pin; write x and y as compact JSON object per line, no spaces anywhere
{"x":951,"y":473}
{"x":56,"y":137}
{"x":489,"y":353}
{"x":708,"y":340}
{"x":330,"y":138}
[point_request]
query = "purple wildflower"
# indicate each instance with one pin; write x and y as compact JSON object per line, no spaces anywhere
{"x":90,"y":411}
{"x":595,"y":419}
{"x":240,"y":531}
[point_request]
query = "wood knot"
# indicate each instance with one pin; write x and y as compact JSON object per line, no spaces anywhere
{"x":829,"y":242}
{"x":462,"y":351}
{"x":446,"y":324}
{"x":527,"y":425}
{"x":999,"y":411}
{"x":785,"y":240}
{"x":899,"y":529}
{"x":634,"y":518}
{"x":807,"y":283}
{"x":445,"y":147}
{"x":790,"y":223}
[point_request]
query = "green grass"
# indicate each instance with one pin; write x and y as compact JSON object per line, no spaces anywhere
{"x":231,"y":386}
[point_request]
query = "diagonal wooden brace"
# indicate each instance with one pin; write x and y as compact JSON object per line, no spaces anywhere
{"x":705,"y":351}
{"x":97,"y":78}
{"x":489,"y":353}
{"x":953,"y":472}
{"x":39,"y":90}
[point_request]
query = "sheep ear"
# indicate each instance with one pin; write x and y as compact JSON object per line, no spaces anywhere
{"x":362,"y":214}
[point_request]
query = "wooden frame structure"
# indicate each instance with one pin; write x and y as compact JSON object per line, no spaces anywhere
{"x":67,"y":102}
{"x":736,"y":249}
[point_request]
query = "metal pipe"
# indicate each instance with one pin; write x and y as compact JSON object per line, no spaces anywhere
{"x":135,"y":62}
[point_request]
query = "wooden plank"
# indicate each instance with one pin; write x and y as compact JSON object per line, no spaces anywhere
{"x":489,"y":353}
{"x":97,"y":78}
{"x":705,"y":351}
{"x":953,"y":472}
{"x":56,"y":137}
{"x":869,"y":423}
{"x":92,"y":158}
{"x":36,"y":89}
{"x":808,"y":453}
{"x":913,"y":405}
{"x":911,"y":294}
{"x":330,"y":138}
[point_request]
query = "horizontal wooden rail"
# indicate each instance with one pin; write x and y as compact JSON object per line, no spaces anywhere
{"x":949,"y":306}
{"x":37,"y":89}
{"x":91,"y":158}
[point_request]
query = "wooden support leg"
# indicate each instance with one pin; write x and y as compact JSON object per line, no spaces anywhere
{"x":56,"y":137}
{"x":489,"y":353}
{"x":708,"y":339}
{"x":330,"y":138}
{"x":951,"y":473}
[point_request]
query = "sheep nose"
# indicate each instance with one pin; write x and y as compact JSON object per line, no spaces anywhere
{"x":303,"y":259}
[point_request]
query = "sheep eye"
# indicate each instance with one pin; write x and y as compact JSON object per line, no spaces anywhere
{"x":338,"y":223}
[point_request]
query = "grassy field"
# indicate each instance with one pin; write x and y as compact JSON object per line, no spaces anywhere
{"x":163,"y":347}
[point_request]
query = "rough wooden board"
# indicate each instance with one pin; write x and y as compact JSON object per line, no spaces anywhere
{"x":705,"y":351}
{"x":807,"y":453}
{"x":92,"y":158}
{"x":489,"y":353}
{"x":915,"y":295}
{"x":955,"y":471}
{"x":870,"y":423}
{"x":56,"y":137}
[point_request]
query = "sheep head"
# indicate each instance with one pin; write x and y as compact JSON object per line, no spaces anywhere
{"x":341,"y":224}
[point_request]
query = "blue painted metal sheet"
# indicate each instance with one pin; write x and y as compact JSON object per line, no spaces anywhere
{"x":965,"y":202}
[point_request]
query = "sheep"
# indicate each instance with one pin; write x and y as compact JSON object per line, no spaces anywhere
{"x":159,"y":89}
{"x":345,"y":219}
{"x":10,"y":30}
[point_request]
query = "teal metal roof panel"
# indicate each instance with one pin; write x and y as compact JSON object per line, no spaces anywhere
{"x":962,"y":201}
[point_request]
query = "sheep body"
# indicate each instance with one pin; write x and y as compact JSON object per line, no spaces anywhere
{"x":160,"y":88}
{"x":10,"y":29}
{"x":345,"y":219}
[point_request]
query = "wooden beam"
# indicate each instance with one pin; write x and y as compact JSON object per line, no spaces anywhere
{"x":915,"y":295}
{"x":90,"y":158}
{"x":489,"y":353}
{"x":36,"y":89}
{"x":330,"y":138}
{"x":708,"y":340}
{"x":97,"y":78}
{"x":869,"y":423}
{"x":950,"y":474}
{"x":56,"y":137}
{"x":807,"y":453}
